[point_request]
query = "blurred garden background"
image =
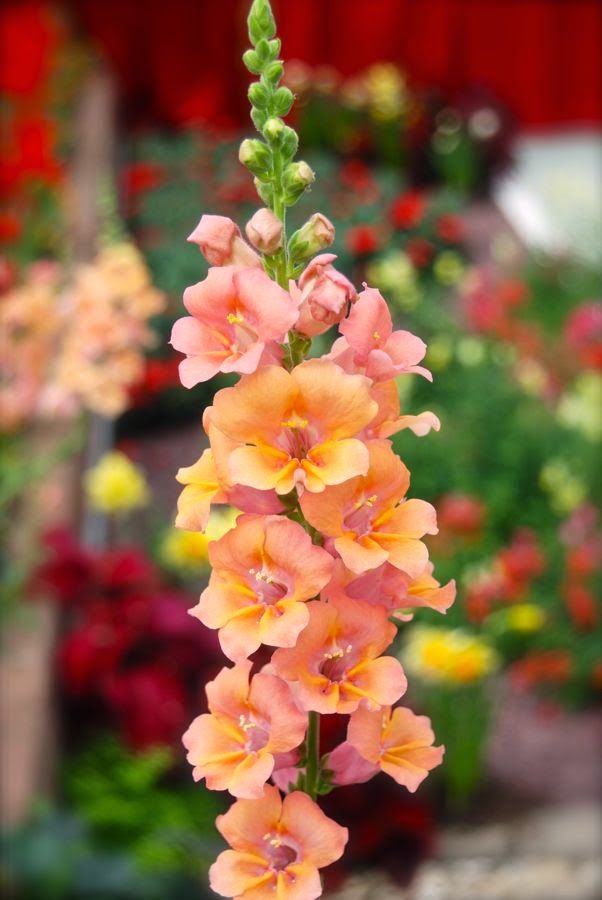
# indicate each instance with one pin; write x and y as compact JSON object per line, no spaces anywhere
{"x":457,"y":146}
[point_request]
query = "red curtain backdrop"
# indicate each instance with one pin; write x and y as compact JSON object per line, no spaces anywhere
{"x":178,"y":61}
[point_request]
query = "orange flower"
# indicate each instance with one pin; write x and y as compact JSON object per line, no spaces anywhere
{"x":201,"y":489}
{"x":264,"y":570}
{"x":295,"y":428}
{"x":398,"y":743}
{"x":277,"y":848}
{"x":335,"y":660}
{"x":233,"y":747}
{"x":370,"y":521}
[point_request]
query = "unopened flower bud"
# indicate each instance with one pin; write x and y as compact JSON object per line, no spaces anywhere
{"x":315,"y":235}
{"x":264,"y":231}
{"x":256,"y":156}
{"x":273,"y":128}
{"x":297,"y":178}
{"x":220,"y":242}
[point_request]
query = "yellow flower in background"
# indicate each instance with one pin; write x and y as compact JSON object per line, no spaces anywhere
{"x":186,"y":552}
{"x":448,"y":268}
{"x":444,"y":656}
{"x":581,"y":407}
{"x":470,"y":351}
{"x":439,"y":352}
{"x":395,"y":274}
{"x":567,"y":491}
{"x":524,"y":617}
{"x":115,"y":484}
{"x":387,"y":92}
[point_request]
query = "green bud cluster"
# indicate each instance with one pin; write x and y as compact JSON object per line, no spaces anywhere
{"x":279,"y":180}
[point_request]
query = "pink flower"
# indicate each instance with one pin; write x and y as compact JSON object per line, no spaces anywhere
{"x":277,"y":848}
{"x":237,"y":316}
{"x":398,"y":742}
{"x":336,"y":663}
{"x":264,"y":571}
{"x":323,"y":295}
{"x":264,"y":230}
{"x":389,"y":421}
{"x":221,"y":244}
{"x":233,"y":746}
{"x":370,"y":346}
{"x":392,"y":589}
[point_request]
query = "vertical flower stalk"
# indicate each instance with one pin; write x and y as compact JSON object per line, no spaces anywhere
{"x":327,"y":555}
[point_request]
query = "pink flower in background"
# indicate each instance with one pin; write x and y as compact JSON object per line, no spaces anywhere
{"x":220,"y":241}
{"x":278,"y":845}
{"x":250,"y":721}
{"x":237,"y":316}
{"x":370,"y":346}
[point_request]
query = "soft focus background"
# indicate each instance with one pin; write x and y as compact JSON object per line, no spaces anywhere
{"x":457,"y":147}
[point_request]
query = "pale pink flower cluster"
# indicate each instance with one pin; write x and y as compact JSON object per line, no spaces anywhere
{"x":72,"y":340}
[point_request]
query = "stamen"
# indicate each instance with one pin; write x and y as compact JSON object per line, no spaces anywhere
{"x":234,"y":318}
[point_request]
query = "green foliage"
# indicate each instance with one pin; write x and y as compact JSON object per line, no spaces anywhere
{"x":131,"y":804}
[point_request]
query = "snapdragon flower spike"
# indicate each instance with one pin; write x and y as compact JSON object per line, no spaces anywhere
{"x":369,"y":520}
{"x":264,"y":571}
{"x":295,"y":429}
{"x":238,"y":317}
{"x":327,"y":552}
{"x":277,"y":848}
{"x":233,"y":746}
{"x":336,"y":663}
{"x":369,"y":344}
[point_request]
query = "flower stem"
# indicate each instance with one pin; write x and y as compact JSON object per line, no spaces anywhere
{"x":312,"y":769}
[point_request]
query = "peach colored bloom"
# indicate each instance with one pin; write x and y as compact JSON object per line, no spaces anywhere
{"x":294,"y":428}
{"x":392,"y":589}
{"x":263,"y":572}
{"x":370,"y":346}
{"x":336,"y":663}
{"x":201,"y":489}
{"x":265,"y":230}
{"x":277,"y":848}
{"x":370,"y":521}
{"x":389,"y":421}
{"x":323,"y":296}
{"x":397,"y":742}
{"x":237,"y":316}
{"x":232,"y":747}
{"x":220,"y":242}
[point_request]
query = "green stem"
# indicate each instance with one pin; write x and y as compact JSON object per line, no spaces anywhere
{"x":312,"y":769}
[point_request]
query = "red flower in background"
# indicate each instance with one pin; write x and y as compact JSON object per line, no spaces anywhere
{"x":420,"y":251}
{"x":583,"y":333}
{"x":521,"y":563}
{"x":461,"y":514}
{"x":142,"y":176}
{"x":408,"y":210}
{"x":543,"y":667}
{"x":362,"y":240}
{"x":582,"y":606}
{"x":130,"y":648}
{"x":30,"y":35}
{"x":450,"y":228}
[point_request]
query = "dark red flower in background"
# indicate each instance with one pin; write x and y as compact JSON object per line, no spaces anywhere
{"x":408,"y":210}
{"x":362,"y":240}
